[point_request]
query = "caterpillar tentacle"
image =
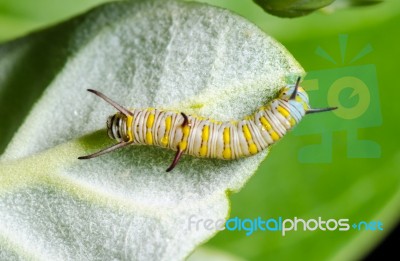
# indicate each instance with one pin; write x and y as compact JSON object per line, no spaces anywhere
{"x":206,"y":138}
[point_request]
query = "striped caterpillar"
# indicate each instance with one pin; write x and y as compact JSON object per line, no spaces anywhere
{"x":200,"y":137}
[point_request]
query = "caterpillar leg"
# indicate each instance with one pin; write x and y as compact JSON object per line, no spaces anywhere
{"x":180,"y":149}
{"x":106,"y":150}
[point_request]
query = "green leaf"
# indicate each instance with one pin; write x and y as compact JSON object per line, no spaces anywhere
{"x":349,"y":4}
{"x":18,"y":17}
{"x":292,"y":8}
{"x":172,"y":55}
{"x":320,"y":24}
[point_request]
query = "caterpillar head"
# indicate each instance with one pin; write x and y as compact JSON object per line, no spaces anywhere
{"x":294,"y":92}
{"x":117,"y":127}
{"x":296,"y":95}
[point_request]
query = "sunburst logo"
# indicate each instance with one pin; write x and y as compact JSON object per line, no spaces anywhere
{"x":343,"y":40}
{"x":354,"y":89}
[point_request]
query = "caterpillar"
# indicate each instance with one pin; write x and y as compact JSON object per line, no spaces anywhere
{"x":203,"y":137}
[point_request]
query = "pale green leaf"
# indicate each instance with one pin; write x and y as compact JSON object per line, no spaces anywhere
{"x":124,"y":206}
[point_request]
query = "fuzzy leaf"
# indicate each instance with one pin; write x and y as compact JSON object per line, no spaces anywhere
{"x":123,"y":206}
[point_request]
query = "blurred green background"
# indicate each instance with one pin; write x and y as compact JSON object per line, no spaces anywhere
{"x":355,"y":171}
{"x":339,"y":184}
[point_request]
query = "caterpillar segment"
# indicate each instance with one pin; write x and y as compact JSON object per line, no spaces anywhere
{"x":207,"y":138}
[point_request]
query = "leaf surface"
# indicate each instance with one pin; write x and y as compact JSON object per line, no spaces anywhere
{"x":123,"y":206}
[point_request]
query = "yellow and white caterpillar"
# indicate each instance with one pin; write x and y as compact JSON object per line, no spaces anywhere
{"x":201,"y":137}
